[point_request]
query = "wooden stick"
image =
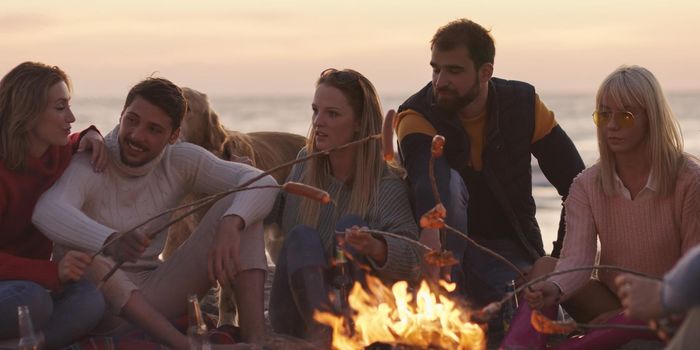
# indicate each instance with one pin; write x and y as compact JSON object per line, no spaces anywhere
{"x":486,"y":250}
{"x":153,"y":233}
{"x":613,"y":325}
{"x":216,"y":196}
{"x":575,"y":269}
{"x":260,"y":176}
{"x":403,"y":238}
{"x":198,"y":204}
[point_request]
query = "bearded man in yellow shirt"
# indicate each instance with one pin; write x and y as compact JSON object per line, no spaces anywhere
{"x":492,"y":127}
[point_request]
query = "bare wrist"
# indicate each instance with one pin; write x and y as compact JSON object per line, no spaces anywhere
{"x":234,"y":221}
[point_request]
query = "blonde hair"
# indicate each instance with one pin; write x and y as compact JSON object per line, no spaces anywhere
{"x":637,"y":86}
{"x":24,"y":93}
{"x":368,"y":163}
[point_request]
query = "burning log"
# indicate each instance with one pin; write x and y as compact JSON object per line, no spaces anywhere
{"x":395,"y":317}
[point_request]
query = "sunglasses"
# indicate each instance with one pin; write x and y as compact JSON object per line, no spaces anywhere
{"x":340,"y":76}
{"x":624,"y":119}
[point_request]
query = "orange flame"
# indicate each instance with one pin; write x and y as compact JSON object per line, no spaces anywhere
{"x":395,"y":316}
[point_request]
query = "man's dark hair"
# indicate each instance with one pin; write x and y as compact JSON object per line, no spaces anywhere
{"x":163,"y":94}
{"x":474,"y":37}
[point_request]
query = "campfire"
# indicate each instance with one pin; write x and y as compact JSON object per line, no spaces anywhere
{"x":395,"y":316}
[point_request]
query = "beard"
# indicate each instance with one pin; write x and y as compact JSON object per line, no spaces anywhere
{"x":454,"y":102}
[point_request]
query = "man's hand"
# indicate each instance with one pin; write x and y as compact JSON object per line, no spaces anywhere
{"x":543,"y":294}
{"x":224,"y":258}
{"x":92,"y":140}
{"x":72,"y":267}
{"x":129,"y":247}
{"x":641,"y":297}
{"x":366,"y":244}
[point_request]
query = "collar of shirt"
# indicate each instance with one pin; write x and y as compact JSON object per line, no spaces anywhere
{"x":648,"y":190}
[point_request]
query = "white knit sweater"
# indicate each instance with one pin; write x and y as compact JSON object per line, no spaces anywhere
{"x":84,"y":208}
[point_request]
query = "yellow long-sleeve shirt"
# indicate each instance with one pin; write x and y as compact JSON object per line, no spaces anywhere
{"x":410,"y":121}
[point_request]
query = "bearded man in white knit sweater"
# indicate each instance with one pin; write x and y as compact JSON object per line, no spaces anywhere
{"x":150,"y":171}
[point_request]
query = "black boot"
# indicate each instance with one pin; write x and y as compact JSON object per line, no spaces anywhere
{"x":311,"y":294}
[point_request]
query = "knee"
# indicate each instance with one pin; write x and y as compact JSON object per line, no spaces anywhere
{"x":460,"y":194}
{"x":37,"y":298}
{"x":302,"y":237}
{"x":91,"y":300}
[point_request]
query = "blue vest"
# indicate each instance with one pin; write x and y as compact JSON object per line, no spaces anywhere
{"x":506,"y":171}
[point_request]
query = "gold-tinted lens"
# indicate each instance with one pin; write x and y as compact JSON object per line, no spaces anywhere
{"x":624,"y":119}
{"x":600,"y":118}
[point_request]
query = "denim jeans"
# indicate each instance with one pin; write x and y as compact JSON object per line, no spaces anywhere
{"x":479,"y":276}
{"x":63,"y":317}
{"x":302,"y":248}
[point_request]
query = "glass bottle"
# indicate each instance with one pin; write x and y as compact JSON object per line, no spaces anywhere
{"x":28,"y":338}
{"x":341,"y":280}
{"x":510,"y":306}
{"x":197,"y":329}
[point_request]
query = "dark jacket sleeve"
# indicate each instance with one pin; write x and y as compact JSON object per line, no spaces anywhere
{"x":415,"y":150}
{"x":560,"y":163}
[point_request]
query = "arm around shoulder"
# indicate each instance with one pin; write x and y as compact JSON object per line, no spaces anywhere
{"x":58,"y":212}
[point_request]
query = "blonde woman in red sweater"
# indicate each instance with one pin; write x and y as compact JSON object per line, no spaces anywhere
{"x":641,"y":200}
{"x":35,"y":147}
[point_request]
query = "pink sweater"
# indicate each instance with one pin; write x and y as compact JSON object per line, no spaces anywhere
{"x":648,"y":234}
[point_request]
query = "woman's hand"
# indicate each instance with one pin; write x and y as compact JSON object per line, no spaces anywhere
{"x":72,"y":266}
{"x":542,"y":295}
{"x":366,"y":244}
{"x":92,"y":140}
{"x":641,"y":297}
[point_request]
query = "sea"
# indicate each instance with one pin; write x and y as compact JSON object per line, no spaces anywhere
{"x":293,"y":114}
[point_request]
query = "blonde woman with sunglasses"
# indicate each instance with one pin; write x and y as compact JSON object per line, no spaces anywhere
{"x":641,"y":200}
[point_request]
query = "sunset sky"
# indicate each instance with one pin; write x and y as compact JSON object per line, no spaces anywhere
{"x":278,"y":48}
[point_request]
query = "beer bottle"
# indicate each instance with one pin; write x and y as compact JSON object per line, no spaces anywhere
{"x":197,"y":329}
{"x":29,"y":339}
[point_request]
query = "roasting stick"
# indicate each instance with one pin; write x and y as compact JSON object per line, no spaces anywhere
{"x":214,"y":197}
{"x":439,"y":213}
{"x":491,"y":309}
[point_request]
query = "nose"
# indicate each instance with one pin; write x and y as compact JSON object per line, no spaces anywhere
{"x":441,"y":79}
{"x":70,"y":117}
{"x":318,"y":120}
{"x":136,"y":134}
{"x":612,"y":123}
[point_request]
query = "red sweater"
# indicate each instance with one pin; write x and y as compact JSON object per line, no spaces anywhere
{"x":24,"y":250}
